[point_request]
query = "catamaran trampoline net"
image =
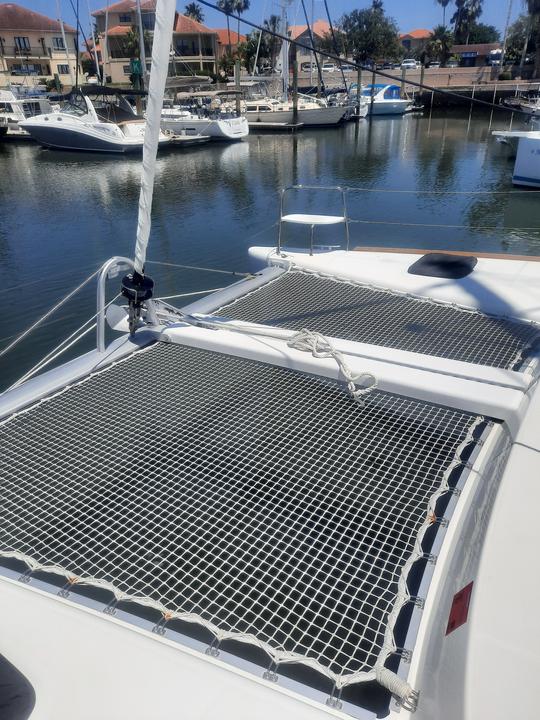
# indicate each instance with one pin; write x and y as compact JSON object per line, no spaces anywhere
{"x":261,"y":502}
{"x":352,"y":311}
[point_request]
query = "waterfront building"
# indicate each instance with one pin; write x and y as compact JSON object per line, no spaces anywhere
{"x":33,"y":47}
{"x":415,"y":39}
{"x":194,"y":44}
{"x":300,"y":33}
{"x":223,"y":45}
{"x":474,"y":55}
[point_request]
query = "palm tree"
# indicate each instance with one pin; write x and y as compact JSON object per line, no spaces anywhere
{"x":227,"y":6}
{"x":467,"y":13}
{"x":440,"y":43}
{"x":273,"y":24}
{"x":240,"y":6}
{"x":194,"y":12}
{"x":444,"y":4}
{"x":533,"y":6}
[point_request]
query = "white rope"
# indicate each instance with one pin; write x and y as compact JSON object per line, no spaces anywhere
{"x":320,"y":347}
{"x":189,"y":294}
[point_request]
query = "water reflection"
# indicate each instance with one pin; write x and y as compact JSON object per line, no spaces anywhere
{"x":62,"y":214}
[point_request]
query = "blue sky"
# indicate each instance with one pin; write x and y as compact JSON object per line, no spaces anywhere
{"x":409,"y":14}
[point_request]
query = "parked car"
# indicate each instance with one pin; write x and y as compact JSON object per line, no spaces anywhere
{"x":434,"y":64}
{"x":452,"y":64}
{"x":409,"y":64}
{"x":329,"y":67}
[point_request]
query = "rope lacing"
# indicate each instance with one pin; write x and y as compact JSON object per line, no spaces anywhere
{"x":320,"y":347}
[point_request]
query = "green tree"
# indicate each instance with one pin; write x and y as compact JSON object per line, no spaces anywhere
{"x":370,"y":33}
{"x":521,"y":38}
{"x":239,"y":7}
{"x":466,"y":14}
{"x":533,"y":6}
{"x":444,"y":4}
{"x":227,"y":6}
{"x":194,"y":11}
{"x":482,"y":33}
{"x":440,"y":44}
{"x":273,"y":44}
{"x":247,"y":51}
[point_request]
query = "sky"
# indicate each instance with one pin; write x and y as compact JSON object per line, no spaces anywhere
{"x":409,"y":14}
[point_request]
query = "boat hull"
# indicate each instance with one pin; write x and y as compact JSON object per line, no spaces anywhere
{"x":71,"y":139}
{"x":314,"y":117}
{"x":226,"y":129}
{"x":389,"y":107}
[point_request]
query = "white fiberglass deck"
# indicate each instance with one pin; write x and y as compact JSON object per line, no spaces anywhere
{"x":258,"y":501}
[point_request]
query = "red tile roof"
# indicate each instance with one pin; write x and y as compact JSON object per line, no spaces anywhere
{"x":419,"y":34}
{"x":126,"y":6}
{"x":118,"y":30}
{"x":184,"y":24}
{"x":223,"y":36}
{"x":320,"y":28}
{"x":15,"y":17}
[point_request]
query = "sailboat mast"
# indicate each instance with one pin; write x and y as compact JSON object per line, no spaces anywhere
{"x":64,"y":41}
{"x":284,"y":52}
{"x":141,"y":42}
{"x":98,"y":73}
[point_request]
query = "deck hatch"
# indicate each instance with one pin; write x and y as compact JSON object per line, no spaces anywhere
{"x":261,"y":502}
{"x":352,"y":311}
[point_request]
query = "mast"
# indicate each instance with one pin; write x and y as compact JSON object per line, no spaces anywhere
{"x":141,"y":42}
{"x":137,"y":287}
{"x":98,"y":73}
{"x":284,"y":52}
{"x":64,"y":41}
{"x":106,"y":46}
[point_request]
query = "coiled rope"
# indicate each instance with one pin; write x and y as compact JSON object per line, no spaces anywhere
{"x":320,"y":347}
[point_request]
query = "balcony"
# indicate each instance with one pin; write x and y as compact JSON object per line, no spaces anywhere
{"x":32,"y":51}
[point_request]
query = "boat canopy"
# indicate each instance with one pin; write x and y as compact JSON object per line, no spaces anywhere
{"x":388,"y":92}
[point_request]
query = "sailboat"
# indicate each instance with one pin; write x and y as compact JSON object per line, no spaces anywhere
{"x":311,"y":494}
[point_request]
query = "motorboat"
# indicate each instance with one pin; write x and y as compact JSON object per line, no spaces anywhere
{"x":385,"y":100}
{"x":310,"y":495}
{"x":525,"y":146}
{"x":312,"y":112}
{"x":15,"y":108}
{"x":527,"y":102}
{"x":91,"y":118}
{"x":204,"y":113}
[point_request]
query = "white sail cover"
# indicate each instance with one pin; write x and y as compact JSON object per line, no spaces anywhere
{"x":165,"y":10}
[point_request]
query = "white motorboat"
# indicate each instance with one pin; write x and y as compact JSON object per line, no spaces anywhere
{"x":310,"y":495}
{"x":205,"y":113}
{"x":311,"y":111}
{"x":178,"y":120}
{"x":14,"y":109}
{"x":525,"y":145}
{"x":91,"y":118}
{"x":387,"y":100}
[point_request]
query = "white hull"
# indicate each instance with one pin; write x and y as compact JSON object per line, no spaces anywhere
{"x":389,"y":107}
{"x":308,"y":116}
{"x":226,"y":129}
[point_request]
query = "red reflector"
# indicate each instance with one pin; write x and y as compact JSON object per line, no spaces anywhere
{"x":459,"y":609}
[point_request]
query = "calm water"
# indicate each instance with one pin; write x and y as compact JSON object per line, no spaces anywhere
{"x":63,"y":214}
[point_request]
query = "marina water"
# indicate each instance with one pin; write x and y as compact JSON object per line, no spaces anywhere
{"x":63,"y":214}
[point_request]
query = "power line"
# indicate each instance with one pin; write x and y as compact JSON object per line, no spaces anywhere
{"x":358,"y":66}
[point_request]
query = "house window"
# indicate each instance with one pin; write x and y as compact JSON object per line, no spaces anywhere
{"x":58,"y":43}
{"x":22,"y":43}
{"x":63,"y":69}
{"x":126,"y":69}
{"x":26,"y":69}
{"x":148,"y":20}
{"x":124,"y":18}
